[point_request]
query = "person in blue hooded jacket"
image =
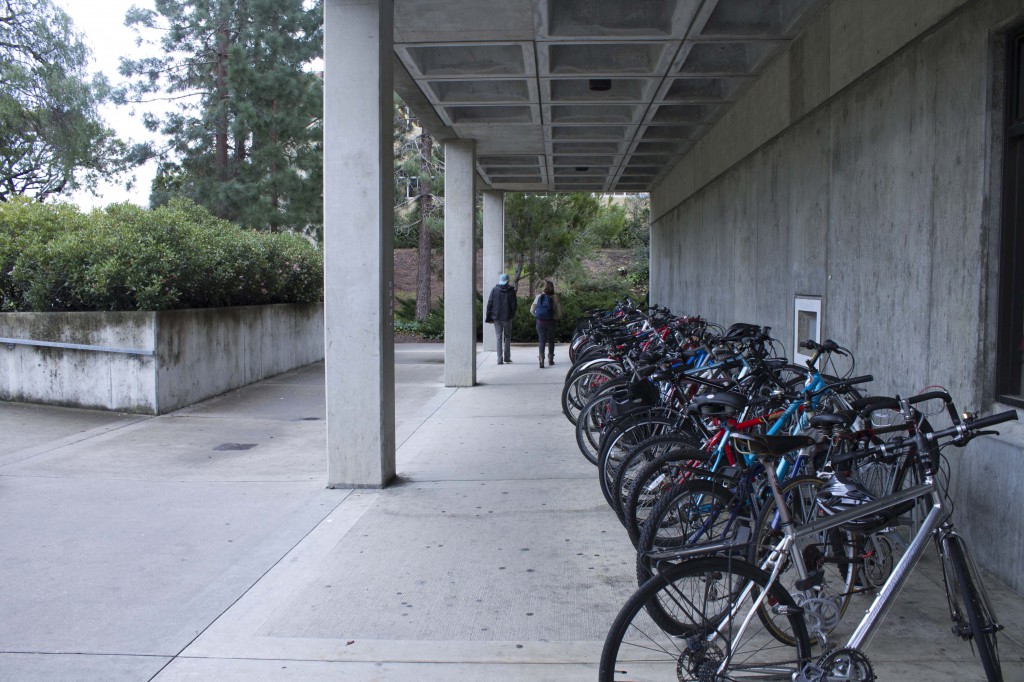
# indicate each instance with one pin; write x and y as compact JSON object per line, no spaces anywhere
{"x":501,"y":308}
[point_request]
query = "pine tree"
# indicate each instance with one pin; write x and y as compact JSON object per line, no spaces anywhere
{"x":419,"y":189}
{"x":545,"y":232}
{"x":245,"y":138}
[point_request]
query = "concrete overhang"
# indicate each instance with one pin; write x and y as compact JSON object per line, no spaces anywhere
{"x":583,"y":95}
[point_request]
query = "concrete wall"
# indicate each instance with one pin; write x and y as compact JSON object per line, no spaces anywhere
{"x":184,"y":355}
{"x":202,"y":353}
{"x":863,"y":168}
{"x":80,"y":378}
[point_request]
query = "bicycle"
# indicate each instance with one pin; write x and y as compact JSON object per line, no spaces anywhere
{"x":718,"y":615}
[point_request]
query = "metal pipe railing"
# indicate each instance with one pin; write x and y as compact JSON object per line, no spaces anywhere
{"x":74,"y":346}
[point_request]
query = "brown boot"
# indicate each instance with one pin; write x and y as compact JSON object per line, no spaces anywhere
{"x":541,"y":358}
{"x":551,"y":359}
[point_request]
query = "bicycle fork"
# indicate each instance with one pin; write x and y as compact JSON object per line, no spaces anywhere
{"x":944,"y":537}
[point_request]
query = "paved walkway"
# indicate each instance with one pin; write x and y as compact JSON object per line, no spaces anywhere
{"x":203,"y":545}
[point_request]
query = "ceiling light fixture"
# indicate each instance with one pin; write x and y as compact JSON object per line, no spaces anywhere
{"x":600,"y":84}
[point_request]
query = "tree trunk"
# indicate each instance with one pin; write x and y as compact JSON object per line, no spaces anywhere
{"x":423,"y":302}
{"x":275,"y":197}
{"x":531,"y":277}
{"x":519,"y":272}
{"x":221,"y":135}
{"x":221,"y":118}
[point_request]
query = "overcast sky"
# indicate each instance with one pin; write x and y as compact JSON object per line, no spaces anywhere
{"x":102,"y":24}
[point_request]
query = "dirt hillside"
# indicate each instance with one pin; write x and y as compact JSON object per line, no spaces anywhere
{"x":605,"y":262}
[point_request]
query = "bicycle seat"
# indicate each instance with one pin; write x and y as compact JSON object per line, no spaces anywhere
{"x":829,"y":421}
{"x":771,"y":446}
{"x":865,"y":406}
{"x":720,"y":405}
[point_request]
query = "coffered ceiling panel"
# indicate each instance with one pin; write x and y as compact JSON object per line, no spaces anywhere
{"x":583,"y":95}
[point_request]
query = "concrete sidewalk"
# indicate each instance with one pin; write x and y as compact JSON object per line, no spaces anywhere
{"x":203,"y":545}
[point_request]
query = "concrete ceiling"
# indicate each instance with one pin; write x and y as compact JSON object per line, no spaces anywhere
{"x":583,"y":95}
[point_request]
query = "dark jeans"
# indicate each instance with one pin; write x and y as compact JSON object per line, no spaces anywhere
{"x":546,"y":335}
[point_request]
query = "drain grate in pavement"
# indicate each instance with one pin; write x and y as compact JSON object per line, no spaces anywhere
{"x":235,"y":446}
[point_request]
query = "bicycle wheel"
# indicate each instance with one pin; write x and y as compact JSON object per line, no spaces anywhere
{"x":692,"y":513}
{"x":598,"y":411}
{"x":976,"y":608}
{"x":578,"y":390}
{"x":829,"y":554}
{"x":709,"y":601}
{"x":656,"y":479}
{"x":660,"y":448}
{"x":624,"y":435}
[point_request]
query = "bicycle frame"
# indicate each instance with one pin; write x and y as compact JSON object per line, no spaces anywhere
{"x":886,"y":598}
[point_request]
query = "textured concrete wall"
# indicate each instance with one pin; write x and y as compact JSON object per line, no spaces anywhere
{"x":871,"y":180}
{"x":80,"y":378}
{"x":203,"y":353}
{"x":190,"y":355}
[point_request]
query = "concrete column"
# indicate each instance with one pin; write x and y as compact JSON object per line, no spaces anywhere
{"x":494,"y":253}
{"x":459,"y":262}
{"x":358,"y":250}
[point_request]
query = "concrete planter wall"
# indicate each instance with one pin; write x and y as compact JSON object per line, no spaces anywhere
{"x":152,"y":362}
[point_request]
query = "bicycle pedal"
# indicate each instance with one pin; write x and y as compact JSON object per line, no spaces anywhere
{"x":815,"y":579}
{"x":783,"y":610}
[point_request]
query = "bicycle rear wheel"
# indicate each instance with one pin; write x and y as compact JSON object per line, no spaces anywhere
{"x":830,"y":554}
{"x":977,"y":610}
{"x":708,"y":600}
{"x":578,"y":390}
{"x":693,"y":512}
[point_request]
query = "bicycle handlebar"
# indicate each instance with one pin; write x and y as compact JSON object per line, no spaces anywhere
{"x":961,"y":433}
{"x":842,"y":383}
{"x":829,"y":346}
{"x":964,"y":429}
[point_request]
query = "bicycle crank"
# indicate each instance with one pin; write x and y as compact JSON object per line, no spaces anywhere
{"x":839,"y":665}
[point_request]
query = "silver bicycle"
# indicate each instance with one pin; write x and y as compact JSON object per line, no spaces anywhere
{"x":709,"y":615}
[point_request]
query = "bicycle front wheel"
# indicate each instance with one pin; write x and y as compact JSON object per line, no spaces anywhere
{"x":715,"y":634}
{"x":977,"y":610}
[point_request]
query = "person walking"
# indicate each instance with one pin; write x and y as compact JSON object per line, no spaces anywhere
{"x":501,"y":308}
{"x":547,"y":308}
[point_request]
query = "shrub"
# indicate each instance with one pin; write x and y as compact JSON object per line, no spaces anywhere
{"x":431,"y":328}
{"x":574,"y":306}
{"x":54,"y":258}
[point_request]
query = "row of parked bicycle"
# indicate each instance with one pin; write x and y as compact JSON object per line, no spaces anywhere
{"x":761,"y":496}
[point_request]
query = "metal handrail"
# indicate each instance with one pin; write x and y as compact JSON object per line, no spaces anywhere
{"x":74,"y":346}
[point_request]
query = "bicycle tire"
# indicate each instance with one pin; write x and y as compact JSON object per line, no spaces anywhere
{"x":980,"y":619}
{"x":592,"y":419}
{"x":837,"y":548}
{"x":699,"y":593}
{"x":578,"y":390}
{"x":655,"y":479}
{"x":660,"y":448}
{"x":693,"y":512}
{"x":623,"y":436}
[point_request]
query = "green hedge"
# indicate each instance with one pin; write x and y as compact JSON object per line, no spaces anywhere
{"x":55,"y":258}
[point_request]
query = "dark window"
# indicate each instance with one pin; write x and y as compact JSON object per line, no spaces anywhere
{"x":1010,"y":378}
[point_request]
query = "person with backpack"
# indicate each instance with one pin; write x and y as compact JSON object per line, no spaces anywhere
{"x":501,"y":308}
{"x":547,"y":308}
